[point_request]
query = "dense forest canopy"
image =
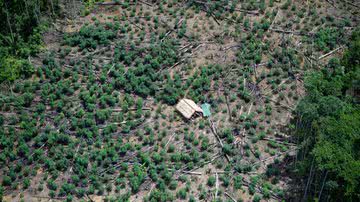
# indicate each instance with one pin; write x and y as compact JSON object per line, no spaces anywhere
{"x":328,"y":125}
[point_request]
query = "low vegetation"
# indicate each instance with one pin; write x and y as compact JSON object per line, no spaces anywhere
{"x":87,"y":104}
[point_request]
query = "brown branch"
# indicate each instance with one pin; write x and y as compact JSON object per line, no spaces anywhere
{"x":170,"y":140}
{"x":191,"y":173}
{"x":144,"y":2}
{"x":227,"y":8}
{"x":357,"y":6}
{"x":216,"y":185}
{"x":290,"y":32}
{"x":232,"y":198}
{"x":330,"y":53}
{"x":107,"y":3}
{"x":214,"y":131}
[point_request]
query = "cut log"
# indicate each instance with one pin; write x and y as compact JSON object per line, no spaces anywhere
{"x":330,"y":53}
{"x":290,"y":32}
{"x":110,"y":69}
{"x":227,"y":8}
{"x":216,"y":185}
{"x":228,"y":106}
{"x":144,"y":2}
{"x":214,"y":131}
{"x":279,"y":142}
{"x":232,"y":198}
{"x":107,"y":3}
{"x":351,"y":3}
{"x":169,"y":140}
{"x":192,"y":173}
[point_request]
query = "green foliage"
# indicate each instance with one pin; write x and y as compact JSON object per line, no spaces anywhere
{"x":211,"y":181}
{"x":137,"y":177}
{"x":11,"y":68}
{"x":89,"y":4}
{"x":1,"y":192}
{"x":351,"y":62}
{"x":90,"y":36}
{"x":238,"y":182}
{"x":337,"y":150}
{"x":257,"y":198}
{"x":182,"y":194}
{"x":6,"y":181}
{"x":228,"y":149}
{"x":20,"y":36}
{"x":84,"y":118}
{"x":52,"y":185}
{"x":330,"y":121}
{"x":328,"y":38}
{"x":159,"y":196}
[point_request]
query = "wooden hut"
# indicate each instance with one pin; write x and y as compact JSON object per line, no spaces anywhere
{"x":188,"y":108}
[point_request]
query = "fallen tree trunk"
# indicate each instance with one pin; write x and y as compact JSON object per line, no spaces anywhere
{"x":107,"y":3}
{"x":227,"y":8}
{"x":290,"y":32}
{"x":228,"y":195}
{"x":192,"y":173}
{"x":113,"y":3}
{"x":214,"y":131}
{"x":357,"y":6}
{"x":330,"y":53}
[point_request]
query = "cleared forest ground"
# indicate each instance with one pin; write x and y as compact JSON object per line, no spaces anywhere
{"x":97,"y":120}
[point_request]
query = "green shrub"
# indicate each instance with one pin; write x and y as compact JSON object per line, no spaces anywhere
{"x":182,"y":193}
{"x":257,"y":198}
{"x":211,"y":181}
{"x":238,"y":182}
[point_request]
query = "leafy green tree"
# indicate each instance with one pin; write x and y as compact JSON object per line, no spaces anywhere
{"x":20,"y":35}
{"x":328,"y":124}
{"x":11,"y":68}
{"x":336,"y":149}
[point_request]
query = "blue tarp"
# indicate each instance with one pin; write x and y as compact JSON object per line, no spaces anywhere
{"x":206,"y":109}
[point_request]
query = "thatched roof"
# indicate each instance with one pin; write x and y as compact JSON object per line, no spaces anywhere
{"x":187,"y":108}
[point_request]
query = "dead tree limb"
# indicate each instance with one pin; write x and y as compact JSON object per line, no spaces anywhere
{"x":131,"y":109}
{"x":216,"y":185}
{"x":133,"y":23}
{"x":47,"y":197}
{"x":273,"y":21}
{"x":351,"y":3}
{"x":282,"y":105}
{"x":330,"y":53}
{"x":228,"y":106}
{"x":216,"y":20}
{"x":290,"y":32}
{"x":110,"y":69}
{"x":112,"y":3}
{"x":214,"y":131}
{"x":191,"y":173}
{"x":144,"y":2}
{"x":232,"y":198}
{"x":227,"y":8}
{"x":169,"y":140}
{"x":279,"y":142}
